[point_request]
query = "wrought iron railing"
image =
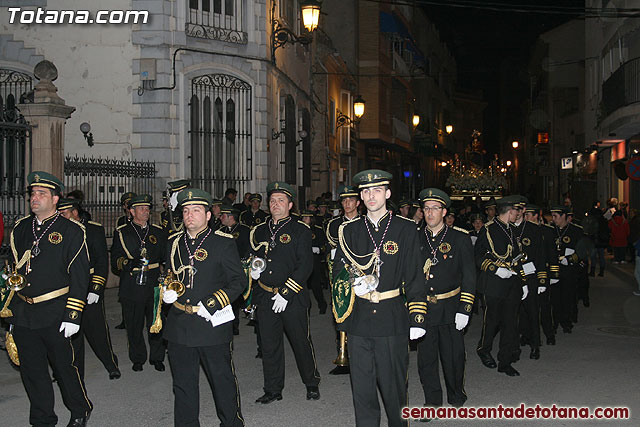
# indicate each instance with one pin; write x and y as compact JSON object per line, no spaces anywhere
{"x":103,"y":181}
{"x":216,"y":20}
{"x":622,"y":88}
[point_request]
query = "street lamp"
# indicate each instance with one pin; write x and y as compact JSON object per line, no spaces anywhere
{"x":449,"y":129}
{"x":85,"y":128}
{"x":358,"y":112}
{"x":443,"y":164}
{"x":509,"y":163}
{"x":358,"y":107}
{"x":515,"y":145}
{"x":310,"y":14}
{"x":281,"y":35}
{"x":416,"y":120}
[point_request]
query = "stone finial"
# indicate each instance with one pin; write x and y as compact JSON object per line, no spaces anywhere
{"x":45,"y":70}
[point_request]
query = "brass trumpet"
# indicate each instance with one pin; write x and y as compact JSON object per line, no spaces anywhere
{"x":15,"y":281}
{"x":258,"y":264}
{"x":342,"y":359}
{"x":172,"y":283}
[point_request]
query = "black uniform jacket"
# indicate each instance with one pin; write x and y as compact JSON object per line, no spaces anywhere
{"x":570,"y":237}
{"x":455,"y":268}
{"x":289,"y":263}
{"x":532,"y":243}
{"x":494,"y":241}
{"x":63,"y":261}
{"x":98,"y":256}
{"x":240,"y":233}
{"x":126,"y":249}
{"x":218,"y":281}
{"x":332,"y":230}
{"x":401,"y":269}
{"x":252,"y":219}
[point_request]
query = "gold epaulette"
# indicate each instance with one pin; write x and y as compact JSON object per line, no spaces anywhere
{"x":488,"y":224}
{"x":305,"y":224}
{"x":122,"y":226}
{"x":95,"y":223}
{"x":576,"y":225}
{"x":317,"y":226}
{"x":405,"y":218}
{"x":157,"y":226}
{"x":21,"y":219}
{"x":178,"y":234}
{"x":550,"y":226}
{"x":534,"y":223}
{"x":351,"y":220}
{"x":462,"y":230}
{"x":223,"y":234}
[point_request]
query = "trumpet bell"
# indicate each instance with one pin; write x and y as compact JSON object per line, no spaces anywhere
{"x":258,"y":264}
{"x":176,"y":286}
{"x":16,"y":282}
{"x":371,"y":281}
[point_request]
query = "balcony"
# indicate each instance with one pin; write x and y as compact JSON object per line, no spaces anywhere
{"x":622,"y":88}
{"x":216,"y":20}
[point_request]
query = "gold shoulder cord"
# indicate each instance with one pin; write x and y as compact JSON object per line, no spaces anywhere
{"x":251,"y":240}
{"x":501,"y":258}
{"x":350,"y":255}
{"x":183,"y":268}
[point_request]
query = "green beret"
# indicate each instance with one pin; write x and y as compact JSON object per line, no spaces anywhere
{"x":68,"y":204}
{"x":434,"y":194}
{"x":521,"y":201}
{"x":44,"y":179}
{"x":348,"y":191}
{"x":216,"y":202}
{"x":255,"y":196}
{"x":281,"y":187}
{"x":323,"y":203}
{"x":307,"y":213}
{"x":126,"y":197}
{"x":194,"y":196}
{"x":490,"y":203}
{"x":415,"y":204}
{"x":371,"y":178}
{"x":141,"y":200}
{"x":531,"y":208}
{"x":175,"y":186}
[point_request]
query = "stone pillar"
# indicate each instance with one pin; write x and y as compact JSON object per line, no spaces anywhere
{"x":47,"y":115}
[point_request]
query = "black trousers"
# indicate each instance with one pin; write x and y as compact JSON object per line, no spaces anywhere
{"x":95,"y":329}
{"x":529,"y":317}
{"x":37,"y":348}
{"x":316,"y":282}
{"x":501,"y":314}
{"x":563,"y":301}
{"x":546,"y":316}
{"x":379,"y":362}
{"x":294,"y":321}
{"x":218,"y":366}
{"x":442,"y":344}
{"x":137,"y":316}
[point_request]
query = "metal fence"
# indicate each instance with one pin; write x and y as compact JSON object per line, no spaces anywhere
{"x":216,"y":20}
{"x":103,"y":181}
{"x":622,"y":88}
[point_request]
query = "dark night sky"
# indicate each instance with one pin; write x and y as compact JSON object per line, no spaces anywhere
{"x":481,"y":39}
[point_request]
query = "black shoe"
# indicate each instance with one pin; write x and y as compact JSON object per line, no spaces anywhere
{"x":259,"y":355}
{"x":535,"y":354}
{"x":524,"y":341}
{"x":515,"y":356}
{"x":159,"y":366}
{"x":551,"y":340}
{"x":487,"y":360}
{"x":137,"y":367}
{"x":120,"y":326}
{"x":566,"y":329}
{"x":340,"y":370}
{"x":269,"y":397}
{"x":313,"y":393}
{"x":509,"y":370}
{"x":114,"y":375}
{"x":78,"y":422}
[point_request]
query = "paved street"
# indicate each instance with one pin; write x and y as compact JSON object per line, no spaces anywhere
{"x":596,"y":365}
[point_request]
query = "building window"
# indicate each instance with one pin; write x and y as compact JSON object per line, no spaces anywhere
{"x":220,"y":133}
{"x":216,"y":20}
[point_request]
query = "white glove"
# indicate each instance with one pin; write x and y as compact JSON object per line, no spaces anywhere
{"x":504,"y":273}
{"x":525,"y":292}
{"x":360,"y":288}
{"x":564,"y":261}
{"x":569,"y":251}
{"x":461,"y":321}
{"x":169,"y":296}
{"x":415,"y":333}
{"x":315,"y":250}
{"x":333,"y":253}
{"x":173,"y":201}
{"x":553,"y":281}
{"x":202,"y":312}
{"x":541,"y":289}
{"x":69,"y":329}
{"x":280,"y":303}
{"x":255,"y":274}
{"x":92,"y":298}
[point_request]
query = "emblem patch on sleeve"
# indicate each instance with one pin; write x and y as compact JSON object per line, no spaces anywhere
{"x":201,"y":254}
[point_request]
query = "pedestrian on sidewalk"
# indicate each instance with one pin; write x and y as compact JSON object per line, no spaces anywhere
{"x":620,"y":231}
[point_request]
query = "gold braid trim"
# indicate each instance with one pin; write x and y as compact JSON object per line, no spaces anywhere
{"x":349,"y":254}
{"x":251,"y":240}
{"x":183,"y":268}
{"x":6,"y":311}
{"x":501,"y":258}
{"x":156,"y":327}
